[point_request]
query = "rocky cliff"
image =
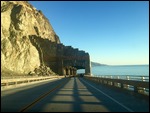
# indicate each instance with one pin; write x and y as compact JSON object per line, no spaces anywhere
{"x":29,"y":44}
{"x":20,"y":21}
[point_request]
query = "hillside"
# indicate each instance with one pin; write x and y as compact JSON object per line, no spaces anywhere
{"x":93,"y":64}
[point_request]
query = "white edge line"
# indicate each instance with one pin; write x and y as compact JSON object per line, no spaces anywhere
{"x":110,"y":97}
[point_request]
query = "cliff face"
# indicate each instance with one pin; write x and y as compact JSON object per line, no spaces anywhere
{"x":19,"y":22}
{"x":29,"y":44}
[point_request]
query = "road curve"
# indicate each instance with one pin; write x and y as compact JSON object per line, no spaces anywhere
{"x":70,"y":95}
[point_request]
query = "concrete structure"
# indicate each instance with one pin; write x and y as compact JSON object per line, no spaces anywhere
{"x":63,"y":60}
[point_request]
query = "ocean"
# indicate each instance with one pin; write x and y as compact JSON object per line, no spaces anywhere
{"x":130,"y":72}
{"x":137,"y":70}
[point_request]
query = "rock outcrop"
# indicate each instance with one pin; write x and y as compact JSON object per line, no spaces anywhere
{"x":29,"y":44}
{"x":19,"y":21}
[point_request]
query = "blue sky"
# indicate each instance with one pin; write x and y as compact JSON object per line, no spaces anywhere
{"x":113,"y":33}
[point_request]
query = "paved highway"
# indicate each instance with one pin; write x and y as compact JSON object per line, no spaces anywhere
{"x":70,"y":95}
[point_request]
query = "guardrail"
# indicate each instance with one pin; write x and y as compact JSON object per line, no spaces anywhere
{"x":126,"y":77}
{"x":137,"y":86}
{"x":22,"y":80}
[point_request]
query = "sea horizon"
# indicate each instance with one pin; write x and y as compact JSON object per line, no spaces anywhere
{"x":142,"y":70}
{"x":127,"y":65}
{"x":121,"y":70}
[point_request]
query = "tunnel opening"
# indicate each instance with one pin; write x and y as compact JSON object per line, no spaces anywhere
{"x":81,"y":72}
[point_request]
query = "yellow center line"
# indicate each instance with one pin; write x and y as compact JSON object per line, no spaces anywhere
{"x":41,"y":97}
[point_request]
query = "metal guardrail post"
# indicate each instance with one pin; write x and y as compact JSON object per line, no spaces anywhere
{"x":142,"y":89}
{"x":111,"y":83}
{"x":143,"y":78}
{"x":135,"y":89}
{"x":127,"y":77}
{"x":117,"y":83}
{"x":127,"y":86}
{"x":118,"y":77}
{"x":122,"y":85}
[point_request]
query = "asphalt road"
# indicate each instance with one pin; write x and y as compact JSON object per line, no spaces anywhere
{"x":70,"y":95}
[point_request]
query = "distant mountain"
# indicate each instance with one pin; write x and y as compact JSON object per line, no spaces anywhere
{"x":93,"y":64}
